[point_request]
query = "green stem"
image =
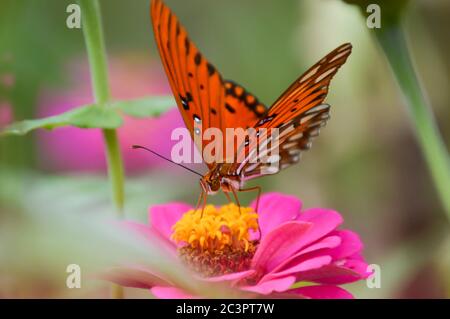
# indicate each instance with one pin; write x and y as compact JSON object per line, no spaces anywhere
{"x":392,"y":39}
{"x":115,"y":170}
{"x":93,"y":35}
{"x":95,"y":45}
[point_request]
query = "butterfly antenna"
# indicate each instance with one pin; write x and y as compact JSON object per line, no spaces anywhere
{"x":167,"y":159}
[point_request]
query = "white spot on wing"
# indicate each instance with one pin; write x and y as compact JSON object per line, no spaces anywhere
{"x":270,"y":169}
{"x":295,"y":137}
{"x":273,"y":159}
{"x":251,"y":167}
{"x":325,"y":74}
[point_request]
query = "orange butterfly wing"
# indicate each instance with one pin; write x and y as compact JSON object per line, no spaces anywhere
{"x":298,"y":113}
{"x":204,"y":99}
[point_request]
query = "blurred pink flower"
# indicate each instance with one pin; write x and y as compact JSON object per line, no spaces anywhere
{"x":296,"y":245}
{"x":74,"y":149}
{"x":6,"y":114}
{"x":7,"y":80}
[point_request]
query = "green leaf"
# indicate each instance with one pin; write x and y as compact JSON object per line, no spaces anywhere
{"x":146,"y":107}
{"x":96,"y":116}
{"x":89,"y":116}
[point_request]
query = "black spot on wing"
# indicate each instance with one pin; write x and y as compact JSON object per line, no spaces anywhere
{"x":196,"y":118}
{"x":266,"y":119}
{"x":184,"y":102}
{"x":230,"y":108}
{"x":198,"y":58}
{"x":211,"y":69}
{"x":249,"y":100}
{"x":187,"y":45}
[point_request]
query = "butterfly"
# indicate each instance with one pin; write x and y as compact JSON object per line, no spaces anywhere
{"x":206,"y":100}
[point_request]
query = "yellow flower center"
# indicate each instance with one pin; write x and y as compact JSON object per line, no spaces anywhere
{"x":217,"y":242}
{"x":218,"y":228}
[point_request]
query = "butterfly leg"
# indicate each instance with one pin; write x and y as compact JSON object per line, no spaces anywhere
{"x":199,"y":199}
{"x":204,"y":203}
{"x":258,"y":189}
{"x":228,"y":197}
{"x":236,"y":198}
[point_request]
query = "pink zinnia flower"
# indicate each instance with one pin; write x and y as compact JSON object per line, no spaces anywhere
{"x":6,"y":114}
{"x":301,"y":247}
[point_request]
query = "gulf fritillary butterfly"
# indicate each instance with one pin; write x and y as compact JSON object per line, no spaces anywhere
{"x":204,"y":97}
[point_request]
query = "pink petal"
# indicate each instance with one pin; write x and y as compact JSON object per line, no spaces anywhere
{"x":163,"y":217}
{"x":170,"y":293}
{"x":333,"y":274}
{"x":341,"y":244}
{"x":351,"y":244}
{"x":324,"y":221}
{"x":268,"y":287}
{"x":276,"y":209}
{"x":312,"y":251}
{"x":279,"y":244}
{"x":323,"y":292}
{"x":327,"y":242}
{"x":357,"y":266}
{"x":305,"y":265}
{"x":286,"y":295}
{"x":232,"y":276}
{"x":357,"y":256}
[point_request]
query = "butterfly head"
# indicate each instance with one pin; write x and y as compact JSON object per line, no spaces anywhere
{"x":210,"y":183}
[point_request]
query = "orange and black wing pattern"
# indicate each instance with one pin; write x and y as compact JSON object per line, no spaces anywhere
{"x":204,"y":99}
{"x":298,"y":114}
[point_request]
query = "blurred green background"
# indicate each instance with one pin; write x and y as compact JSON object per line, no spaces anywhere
{"x":366,"y":164}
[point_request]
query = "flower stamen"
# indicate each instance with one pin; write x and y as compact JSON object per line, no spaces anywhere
{"x":217,"y":241}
